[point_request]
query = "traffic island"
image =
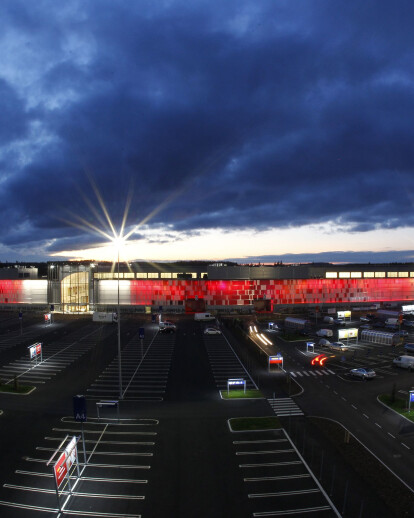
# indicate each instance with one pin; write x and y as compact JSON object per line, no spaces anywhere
{"x":397,"y":404}
{"x":241,"y":394}
{"x":250,"y":424}
{"x":20,"y":390}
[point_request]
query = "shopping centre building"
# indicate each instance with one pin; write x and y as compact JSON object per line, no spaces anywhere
{"x":73,"y":287}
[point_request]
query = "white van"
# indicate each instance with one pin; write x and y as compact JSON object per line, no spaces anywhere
{"x":405,"y":362}
{"x":328,"y":320}
{"x":204,"y":317}
{"x":325,"y":333}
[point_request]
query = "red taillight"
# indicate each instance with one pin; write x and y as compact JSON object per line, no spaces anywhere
{"x":319,"y":360}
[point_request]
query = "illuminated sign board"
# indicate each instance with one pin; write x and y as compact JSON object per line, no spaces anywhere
{"x":408,"y":309}
{"x":344,"y":314}
{"x":70,"y":451}
{"x":60,"y":469}
{"x":236,"y":382}
{"x":347,"y":333}
{"x":275,"y":360}
{"x":65,"y":461}
{"x":48,"y":318}
{"x":411,"y":396}
{"x":35,"y":350}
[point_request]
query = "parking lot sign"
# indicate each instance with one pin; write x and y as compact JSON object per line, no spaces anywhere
{"x":79,"y":408}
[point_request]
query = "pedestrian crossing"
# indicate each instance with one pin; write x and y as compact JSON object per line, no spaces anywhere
{"x":309,"y":373}
{"x":284,"y":406}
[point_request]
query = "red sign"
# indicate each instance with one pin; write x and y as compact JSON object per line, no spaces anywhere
{"x":60,"y":469}
{"x":275,"y":360}
{"x":38,"y":348}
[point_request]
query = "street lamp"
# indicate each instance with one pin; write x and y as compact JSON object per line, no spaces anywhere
{"x":119,"y":243}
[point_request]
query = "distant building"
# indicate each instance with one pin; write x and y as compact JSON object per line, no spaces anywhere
{"x":198,"y":285}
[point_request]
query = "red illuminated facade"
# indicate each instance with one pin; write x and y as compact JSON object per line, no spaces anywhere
{"x":84,"y":287}
{"x":11,"y":291}
{"x":297,"y":291}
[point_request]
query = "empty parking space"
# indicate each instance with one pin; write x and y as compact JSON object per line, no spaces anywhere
{"x":278,"y":482}
{"x":224,"y":362}
{"x":57,"y":356}
{"x":145,"y":370}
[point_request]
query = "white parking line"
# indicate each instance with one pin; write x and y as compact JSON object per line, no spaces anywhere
{"x":263,"y":452}
{"x":89,"y":479}
{"x":260,"y":442}
{"x":390,"y":434}
{"x":293,"y":511}
{"x":260,"y":465}
{"x":281,"y":477}
{"x":284,"y":493}
{"x":74,"y":493}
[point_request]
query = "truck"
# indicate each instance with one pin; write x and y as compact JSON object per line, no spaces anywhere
{"x":104,"y":317}
{"x":204,"y":317}
{"x":385,"y":313}
{"x":296,"y":323}
{"x":405,"y":362}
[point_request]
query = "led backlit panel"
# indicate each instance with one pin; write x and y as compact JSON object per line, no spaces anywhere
{"x":296,"y":291}
{"x":27,"y":291}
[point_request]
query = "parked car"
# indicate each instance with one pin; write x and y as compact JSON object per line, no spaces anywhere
{"x":328,"y":320}
{"x":378,"y":323}
{"x":363,"y":373}
{"x":364,"y":319}
{"x":339,"y":322}
{"x":391,"y":327}
{"x":409,"y":323}
{"x":365,"y":326}
{"x":409,"y":348}
{"x":167,"y":327}
{"x":324,"y":342}
{"x":338,"y":346}
{"x":212,"y":331}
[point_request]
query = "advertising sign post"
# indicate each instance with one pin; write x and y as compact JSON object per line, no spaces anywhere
{"x":61,"y":468}
{"x":48,"y":318}
{"x":276,"y":360}
{"x":35,"y":351}
{"x":348,"y":333}
{"x":79,"y":414}
{"x":410,"y":400}
{"x":236,"y":382}
{"x":310,"y":347}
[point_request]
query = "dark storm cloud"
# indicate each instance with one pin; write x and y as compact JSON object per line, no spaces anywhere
{"x":242,"y":114}
{"x":401,"y":256}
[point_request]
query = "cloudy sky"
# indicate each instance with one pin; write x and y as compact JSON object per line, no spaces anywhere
{"x":270,"y":130}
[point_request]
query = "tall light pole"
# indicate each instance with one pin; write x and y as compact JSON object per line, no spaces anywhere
{"x":119,"y":341}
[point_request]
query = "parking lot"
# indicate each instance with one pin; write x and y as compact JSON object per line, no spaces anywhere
{"x":113,"y":481}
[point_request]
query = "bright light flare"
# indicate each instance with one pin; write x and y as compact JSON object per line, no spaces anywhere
{"x":319,"y":360}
